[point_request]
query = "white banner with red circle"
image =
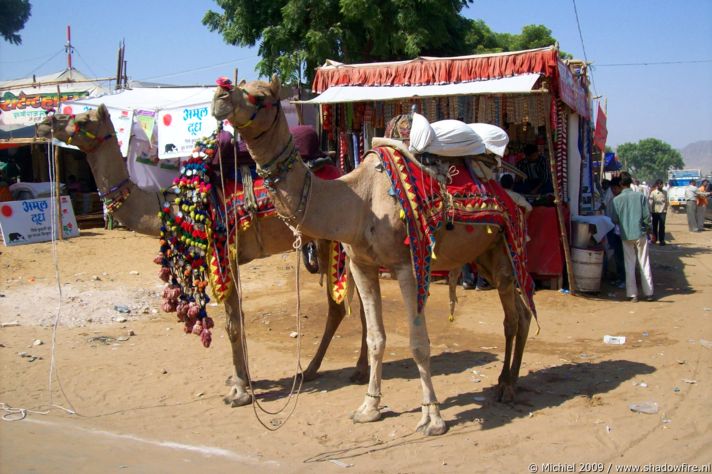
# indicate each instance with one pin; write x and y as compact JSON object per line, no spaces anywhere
{"x":179,"y":128}
{"x":27,"y":222}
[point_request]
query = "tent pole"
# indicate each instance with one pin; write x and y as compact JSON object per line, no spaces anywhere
{"x":58,"y":200}
{"x":58,"y":203}
{"x":563,"y":234}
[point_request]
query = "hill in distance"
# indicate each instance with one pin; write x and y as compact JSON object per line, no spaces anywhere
{"x":698,"y":155}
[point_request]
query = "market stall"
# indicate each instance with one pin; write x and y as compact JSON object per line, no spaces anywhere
{"x":541,"y":101}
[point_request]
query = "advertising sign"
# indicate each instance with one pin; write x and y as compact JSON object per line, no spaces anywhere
{"x":572,"y":93}
{"x":22,"y":109}
{"x":179,"y":129}
{"x":26,"y":222}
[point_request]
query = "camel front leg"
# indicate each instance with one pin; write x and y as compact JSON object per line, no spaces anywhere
{"x":237,"y":396}
{"x":431,"y":422}
{"x":366,"y":279}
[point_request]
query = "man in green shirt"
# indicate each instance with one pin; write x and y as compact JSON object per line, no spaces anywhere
{"x":631,"y":213}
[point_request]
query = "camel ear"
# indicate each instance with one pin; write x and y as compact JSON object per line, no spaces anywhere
{"x":102,"y":112}
{"x":275,"y":87}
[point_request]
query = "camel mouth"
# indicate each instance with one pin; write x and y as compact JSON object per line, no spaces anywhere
{"x":222,"y":104}
{"x":43,"y":130}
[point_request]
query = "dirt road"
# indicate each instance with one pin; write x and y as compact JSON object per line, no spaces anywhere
{"x":148,"y":398}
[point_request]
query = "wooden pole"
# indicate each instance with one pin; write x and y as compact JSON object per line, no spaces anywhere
{"x":563,"y":232}
{"x":58,"y":200}
{"x":57,"y":189}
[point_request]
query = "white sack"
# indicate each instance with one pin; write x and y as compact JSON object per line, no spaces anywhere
{"x":421,"y":134}
{"x":455,"y":138}
{"x":494,"y":138}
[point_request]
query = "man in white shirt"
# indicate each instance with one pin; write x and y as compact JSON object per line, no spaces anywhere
{"x":658,"y":207}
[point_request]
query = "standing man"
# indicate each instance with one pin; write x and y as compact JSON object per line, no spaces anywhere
{"x":630,"y":211}
{"x":659,"y":205}
{"x":614,"y":235}
{"x":691,"y":193}
{"x":701,"y":205}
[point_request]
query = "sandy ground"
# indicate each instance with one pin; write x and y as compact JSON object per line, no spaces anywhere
{"x":148,"y":398}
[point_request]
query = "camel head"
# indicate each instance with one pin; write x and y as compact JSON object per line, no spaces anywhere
{"x":86,"y":131}
{"x":251,"y":107}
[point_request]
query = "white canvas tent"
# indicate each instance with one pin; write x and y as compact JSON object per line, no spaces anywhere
{"x":181,"y":115}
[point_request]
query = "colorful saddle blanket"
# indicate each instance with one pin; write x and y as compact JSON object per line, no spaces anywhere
{"x":198,"y":230}
{"x":427,"y":204}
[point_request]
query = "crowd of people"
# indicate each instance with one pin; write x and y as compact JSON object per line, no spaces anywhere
{"x":639,"y":213}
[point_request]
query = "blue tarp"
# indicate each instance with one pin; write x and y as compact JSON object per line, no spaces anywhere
{"x":612,"y":163}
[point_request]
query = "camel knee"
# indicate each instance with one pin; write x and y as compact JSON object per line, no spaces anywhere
{"x":376,"y":345}
{"x":421,"y":353}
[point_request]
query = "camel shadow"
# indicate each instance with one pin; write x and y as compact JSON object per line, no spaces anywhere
{"x":441,"y":364}
{"x":554,"y":386}
{"x":545,"y":388}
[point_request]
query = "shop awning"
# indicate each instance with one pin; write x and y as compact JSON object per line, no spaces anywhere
{"x":523,"y":83}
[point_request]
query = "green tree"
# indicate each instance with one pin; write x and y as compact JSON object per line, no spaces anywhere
{"x":13,"y":16}
{"x":483,"y":40}
{"x":296,"y":36}
{"x":649,"y":159}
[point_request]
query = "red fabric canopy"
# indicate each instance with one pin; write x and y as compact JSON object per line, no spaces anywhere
{"x":425,"y":71}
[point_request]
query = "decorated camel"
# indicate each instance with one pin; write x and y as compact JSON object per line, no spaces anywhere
{"x":93,"y":133}
{"x":372,"y":217}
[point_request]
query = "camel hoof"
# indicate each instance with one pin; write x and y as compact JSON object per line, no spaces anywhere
{"x":237,"y":399}
{"x":505,"y":393}
{"x":366,"y":416}
{"x":430,"y":426}
{"x":359,"y":377}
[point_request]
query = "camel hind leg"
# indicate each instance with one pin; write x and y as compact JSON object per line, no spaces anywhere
{"x":497,"y":269}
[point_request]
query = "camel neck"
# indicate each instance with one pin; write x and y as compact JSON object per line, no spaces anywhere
{"x":138,"y":209}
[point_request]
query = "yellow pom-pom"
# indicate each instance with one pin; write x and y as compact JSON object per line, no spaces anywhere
{"x":402,"y":214}
{"x":451,"y":318}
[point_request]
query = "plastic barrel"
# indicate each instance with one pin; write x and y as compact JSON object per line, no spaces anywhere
{"x":588,"y":266}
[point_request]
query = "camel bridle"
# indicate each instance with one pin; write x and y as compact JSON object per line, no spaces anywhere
{"x":76,"y":129}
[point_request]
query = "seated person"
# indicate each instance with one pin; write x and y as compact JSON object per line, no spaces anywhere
{"x":507,"y":183}
{"x":534,"y":165}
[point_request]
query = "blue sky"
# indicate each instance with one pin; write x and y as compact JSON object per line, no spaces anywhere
{"x":166,"y":42}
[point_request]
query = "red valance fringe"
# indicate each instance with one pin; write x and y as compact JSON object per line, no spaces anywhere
{"x":425,"y":71}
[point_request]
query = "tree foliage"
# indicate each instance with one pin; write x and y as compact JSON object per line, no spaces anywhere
{"x":649,"y":159}
{"x":13,"y":16}
{"x":292,"y":33}
{"x":296,"y":36}
{"x":481,"y":39}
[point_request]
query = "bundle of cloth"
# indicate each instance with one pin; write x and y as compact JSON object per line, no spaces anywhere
{"x":455,"y":138}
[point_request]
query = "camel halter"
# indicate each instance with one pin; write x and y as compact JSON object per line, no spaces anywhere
{"x":76,"y":129}
{"x":258,"y":102}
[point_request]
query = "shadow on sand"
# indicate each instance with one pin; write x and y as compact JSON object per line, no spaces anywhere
{"x":538,"y":390}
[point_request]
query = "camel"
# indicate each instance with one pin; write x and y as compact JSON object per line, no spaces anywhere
{"x":358,"y":210}
{"x":93,"y":133}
